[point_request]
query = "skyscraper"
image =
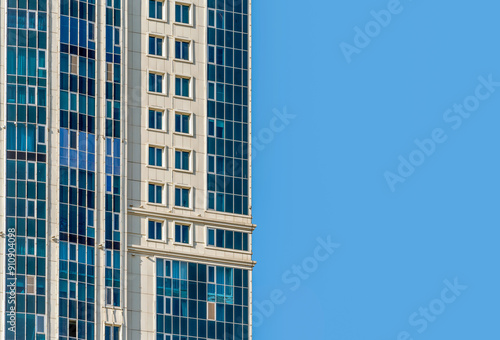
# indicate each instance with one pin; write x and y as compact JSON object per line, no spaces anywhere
{"x":125,"y":204}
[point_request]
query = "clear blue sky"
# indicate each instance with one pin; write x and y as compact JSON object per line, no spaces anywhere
{"x":417,"y":248}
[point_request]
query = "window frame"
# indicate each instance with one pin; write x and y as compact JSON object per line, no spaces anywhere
{"x":163,"y":237}
{"x":163,"y":82}
{"x":190,"y":95}
{"x":190,"y":233}
{"x":163,"y":156}
{"x":190,"y":197}
{"x":163,"y":11}
{"x":163,"y":120}
{"x":163,"y":194}
{"x":190,"y":6}
{"x":190,"y":160}
{"x":190,"y":123}
{"x":190,"y":50}
{"x":163,"y":55}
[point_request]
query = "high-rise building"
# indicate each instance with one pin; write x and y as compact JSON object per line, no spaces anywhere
{"x":125,"y":168}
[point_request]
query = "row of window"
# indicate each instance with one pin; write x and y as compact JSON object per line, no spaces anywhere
{"x":183,"y":85}
{"x":182,"y":123}
{"x":156,"y":47}
{"x":183,"y":12}
{"x":182,"y":158}
{"x":183,"y":233}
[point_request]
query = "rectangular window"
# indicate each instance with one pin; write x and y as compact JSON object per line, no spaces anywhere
{"x":182,"y":50}
{"x":182,"y":123}
{"x":72,"y":328}
{"x":155,"y":230}
{"x":182,"y":13}
{"x":182,"y":160}
{"x":40,"y":324}
{"x":156,"y":82}
{"x":155,"y":156}
{"x":182,"y":197}
{"x":182,"y":86}
{"x":211,"y":237}
{"x":30,"y":284}
{"x":155,"y":119}
{"x":156,"y":46}
{"x":155,"y":193}
{"x":91,"y":31}
{"x":211,"y":310}
{"x":111,"y":332}
{"x":74,"y":64}
{"x":156,"y":9}
{"x":182,"y":233}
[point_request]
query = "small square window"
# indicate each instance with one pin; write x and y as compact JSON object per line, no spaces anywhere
{"x":182,"y":123}
{"x":155,"y":193}
{"x":182,"y":13}
{"x":182,"y":197}
{"x":155,"y":46}
{"x":155,"y":82}
{"x":182,"y":160}
{"x":155,"y":119}
{"x":182,"y":233}
{"x":182,"y":50}
{"x":155,"y":156}
{"x":155,"y":230}
{"x":156,"y":9}
{"x":182,"y":86}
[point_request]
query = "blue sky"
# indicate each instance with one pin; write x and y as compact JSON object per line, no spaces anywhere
{"x":391,"y":155}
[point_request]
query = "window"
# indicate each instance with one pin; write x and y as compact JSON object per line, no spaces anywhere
{"x":182,"y":160}
{"x":155,"y":156}
{"x":227,"y":239}
{"x":211,"y":237}
{"x":155,"y":119}
{"x":156,"y":46}
{"x":30,"y":284}
{"x":156,"y":9}
{"x":182,"y":123}
{"x":182,"y":49}
{"x":182,"y":197}
{"x":182,"y":13}
{"x":40,"y":324}
{"x":211,"y":310}
{"x":91,"y":31}
{"x":182,"y":85}
{"x":72,"y":328}
{"x":156,"y":82}
{"x":155,"y":230}
{"x":182,"y":233}
{"x":74,"y":64}
{"x":111,"y":333}
{"x":155,"y":193}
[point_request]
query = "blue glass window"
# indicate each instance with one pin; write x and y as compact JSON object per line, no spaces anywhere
{"x":182,"y":233}
{"x":155,"y":230}
{"x":182,"y":86}
{"x":156,"y":9}
{"x":182,"y":50}
{"x":182,"y":13}
{"x":182,"y":160}
{"x":156,"y":83}
{"x":155,"y":193}
{"x":156,"y":46}
{"x":182,"y":123}
{"x":155,"y":119}
{"x":155,"y":156}
{"x":182,"y":197}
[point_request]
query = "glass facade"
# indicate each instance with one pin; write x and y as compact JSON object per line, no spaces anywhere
{"x":113,"y":215}
{"x":77,"y":225}
{"x":228,"y":96}
{"x":26,"y":185}
{"x":198,"y":301}
{"x":227,"y":239}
